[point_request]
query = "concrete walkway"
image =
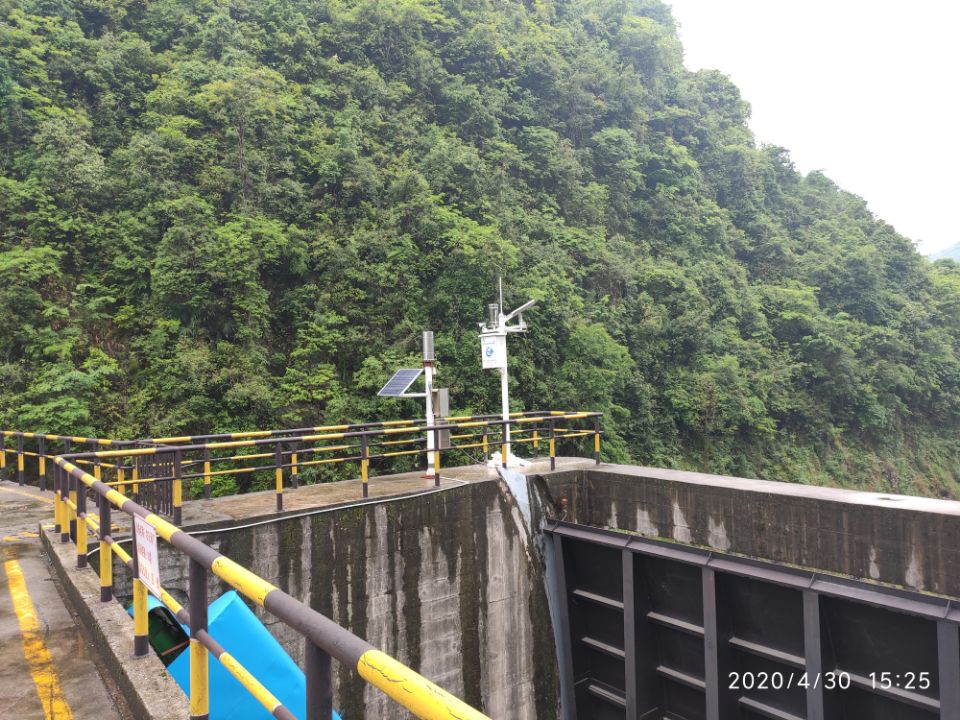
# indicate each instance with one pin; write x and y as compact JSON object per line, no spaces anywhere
{"x":48,"y":670}
{"x":306,"y":498}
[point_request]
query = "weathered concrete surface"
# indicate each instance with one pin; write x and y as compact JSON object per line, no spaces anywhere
{"x":146,"y":685}
{"x":445,"y":582}
{"x":901,"y":540}
{"x":75,"y":661}
{"x":262,"y":505}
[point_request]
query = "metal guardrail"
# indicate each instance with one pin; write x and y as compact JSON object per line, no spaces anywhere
{"x":155,"y":469}
{"x":325,"y":640}
{"x":44,"y":453}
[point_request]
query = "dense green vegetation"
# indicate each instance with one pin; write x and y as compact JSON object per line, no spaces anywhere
{"x":217,"y":216}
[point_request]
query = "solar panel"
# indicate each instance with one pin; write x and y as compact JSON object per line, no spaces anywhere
{"x":398,"y":384}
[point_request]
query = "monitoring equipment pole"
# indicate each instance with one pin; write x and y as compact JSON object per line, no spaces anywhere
{"x":428,"y":357}
{"x":493,"y":354}
{"x":401,"y":381}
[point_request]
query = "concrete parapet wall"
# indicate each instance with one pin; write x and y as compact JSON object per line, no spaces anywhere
{"x":146,"y":685}
{"x":446,"y":582}
{"x":901,"y":540}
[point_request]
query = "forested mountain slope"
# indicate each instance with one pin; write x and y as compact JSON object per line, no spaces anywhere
{"x":220,"y":216}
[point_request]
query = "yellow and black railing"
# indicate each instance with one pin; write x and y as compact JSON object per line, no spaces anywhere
{"x":325,"y":640}
{"x":42,"y":448}
{"x":155,"y":471}
{"x":162,"y":472}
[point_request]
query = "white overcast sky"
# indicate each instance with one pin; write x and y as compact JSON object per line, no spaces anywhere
{"x":865,"y":91}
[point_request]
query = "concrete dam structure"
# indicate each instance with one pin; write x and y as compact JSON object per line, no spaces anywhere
{"x":446,"y":582}
{"x":456,"y":584}
{"x":682,"y":595}
{"x":572,"y":590}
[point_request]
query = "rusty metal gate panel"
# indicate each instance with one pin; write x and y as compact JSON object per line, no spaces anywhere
{"x":653,"y":629}
{"x":155,"y":490}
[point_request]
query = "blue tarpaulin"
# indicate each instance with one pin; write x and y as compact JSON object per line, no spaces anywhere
{"x":237,"y":629}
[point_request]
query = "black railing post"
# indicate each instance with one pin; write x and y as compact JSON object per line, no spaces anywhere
{"x":64,"y":508}
{"x":319,"y":677}
{"x":42,"y":463}
{"x":504,"y":443}
{"x":278,"y":475}
{"x":294,"y":470}
{"x":141,"y":623}
{"x":81,"y":525}
{"x":199,"y":673}
{"x":20,"y":459}
{"x":97,"y":470}
{"x":206,"y":472}
{"x":106,"y":554}
{"x":57,"y":505}
{"x":134,"y":476}
{"x":553,"y":444}
{"x":436,"y":457}
{"x":55,"y":485}
{"x":596,"y":438}
{"x":72,"y":494}
{"x":364,"y":466}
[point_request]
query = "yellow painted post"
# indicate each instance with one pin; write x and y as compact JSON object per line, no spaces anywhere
{"x":3,"y":451}
{"x":42,"y":462}
{"x":536,"y":437}
{"x":503,"y":444}
{"x":364,"y":466}
{"x":20,"y":460}
{"x":199,"y":681}
{"x":106,"y":553}
{"x":436,"y":457}
{"x":294,"y":469}
{"x":177,"y":500}
{"x":553,"y":446}
{"x":199,"y":671}
{"x":177,"y":488}
{"x":140,"y":623}
{"x":63,"y":489}
{"x":596,"y":439}
{"x":81,"y":526}
{"x":134,"y":476}
{"x":206,"y":473}
{"x":57,"y":505}
{"x":486,"y":443}
{"x":98,"y":474}
{"x":278,"y":475}
{"x":71,"y":511}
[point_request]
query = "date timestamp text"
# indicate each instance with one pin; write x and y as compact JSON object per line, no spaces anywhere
{"x":831,"y":680}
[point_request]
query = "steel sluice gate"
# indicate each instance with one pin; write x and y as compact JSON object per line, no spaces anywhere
{"x":652,"y":629}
